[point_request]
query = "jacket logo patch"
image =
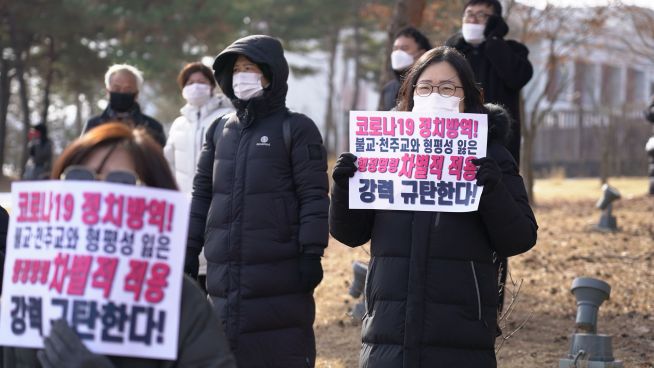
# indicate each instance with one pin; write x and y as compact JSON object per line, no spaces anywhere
{"x":263,"y":141}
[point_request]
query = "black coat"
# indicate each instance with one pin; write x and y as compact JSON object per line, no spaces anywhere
{"x":255,"y":210}
{"x":136,"y":116}
{"x":389,"y":94}
{"x":502,"y":68}
{"x":431,"y":290}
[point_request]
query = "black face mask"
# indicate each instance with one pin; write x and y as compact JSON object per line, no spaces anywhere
{"x":121,"y":102}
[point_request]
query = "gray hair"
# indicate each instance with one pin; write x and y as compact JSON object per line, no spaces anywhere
{"x":123,"y":68}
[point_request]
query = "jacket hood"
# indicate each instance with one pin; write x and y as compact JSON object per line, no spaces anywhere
{"x":260,"y":49}
{"x":499,"y":123}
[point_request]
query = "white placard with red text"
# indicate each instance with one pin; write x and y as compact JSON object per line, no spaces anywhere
{"x":416,"y":161}
{"x":106,"y":257}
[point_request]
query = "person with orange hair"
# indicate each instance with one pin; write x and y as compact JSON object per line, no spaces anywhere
{"x":116,"y":152}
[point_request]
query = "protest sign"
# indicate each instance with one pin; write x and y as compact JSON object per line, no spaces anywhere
{"x":416,"y":161}
{"x":107,"y":258}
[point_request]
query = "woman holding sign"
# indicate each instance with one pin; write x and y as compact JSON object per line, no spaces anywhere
{"x":116,"y":153}
{"x":431,"y":290}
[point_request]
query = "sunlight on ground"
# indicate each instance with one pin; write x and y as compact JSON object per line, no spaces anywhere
{"x":587,"y":188}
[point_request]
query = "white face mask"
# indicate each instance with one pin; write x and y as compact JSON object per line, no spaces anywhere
{"x":473,"y":33}
{"x":435,"y":102}
{"x":401,"y":60}
{"x":197,"y":94}
{"x":247,"y":85}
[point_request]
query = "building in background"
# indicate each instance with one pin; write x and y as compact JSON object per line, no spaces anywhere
{"x":593,"y":87}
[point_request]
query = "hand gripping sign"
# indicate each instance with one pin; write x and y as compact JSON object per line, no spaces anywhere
{"x":107,"y":258}
{"x":416,"y":161}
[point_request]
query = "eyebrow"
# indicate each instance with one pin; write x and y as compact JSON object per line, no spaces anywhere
{"x":441,"y":81}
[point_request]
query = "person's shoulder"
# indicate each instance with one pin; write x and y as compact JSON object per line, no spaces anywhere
{"x":152,"y":122}
{"x":94,"y":121}
{"x":456,"y":41}
{"x":391,"y":84}
{"x":300,"y":121}
{"x":180,"y":124}
{"x":517,"y":46}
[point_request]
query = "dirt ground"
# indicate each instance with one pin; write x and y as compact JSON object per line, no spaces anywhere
{"x":566,"y":249}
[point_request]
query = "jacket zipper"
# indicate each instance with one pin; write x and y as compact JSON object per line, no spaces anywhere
{"x":474,"y":275}
{"x":195,"y":149}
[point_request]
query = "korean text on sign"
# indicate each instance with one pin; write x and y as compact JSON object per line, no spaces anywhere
{"x":107,"y":258}
{"x":416,"y":161}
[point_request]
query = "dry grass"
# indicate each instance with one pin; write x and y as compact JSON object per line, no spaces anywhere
{"x":566,"y":249}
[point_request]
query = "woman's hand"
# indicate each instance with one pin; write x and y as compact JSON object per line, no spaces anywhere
{"x":489,"y":173}
{"x":344,"y":169}
{"x":63,"y":348}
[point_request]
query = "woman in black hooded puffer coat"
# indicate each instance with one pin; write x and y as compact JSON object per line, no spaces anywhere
{"x":259,"y":209}
{"x":431,"y":289}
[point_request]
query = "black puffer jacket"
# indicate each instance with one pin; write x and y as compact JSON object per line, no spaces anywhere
{"x":432,"y":288}
{"x":134,"y":115}
{"x":503,"y":68}
{"x":255,"y":210}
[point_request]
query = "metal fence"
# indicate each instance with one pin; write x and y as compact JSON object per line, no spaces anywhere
{"x":581,"y":142}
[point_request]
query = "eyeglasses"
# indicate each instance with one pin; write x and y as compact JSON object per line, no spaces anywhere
{"x":446,"y":89}
{"x":478,"y":17}
{"x":77,"y":172}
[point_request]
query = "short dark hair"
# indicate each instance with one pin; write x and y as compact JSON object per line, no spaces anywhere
{"x":147,"y":155}
{"x":473,"y":99}
{"x":195,"y":67}
{"x":411,"y":32}
{"x":496,"y":5}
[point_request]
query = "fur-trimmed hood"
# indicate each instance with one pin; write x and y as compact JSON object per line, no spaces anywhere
{"x":499,"y":123}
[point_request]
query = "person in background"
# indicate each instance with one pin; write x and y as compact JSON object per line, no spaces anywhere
{"x":39,"y":147}
{"x":186,"y":135}
{"x":649,"y":146}
{"x":259,"y":209}
{"x":123,"y":83}
{"x":109,"y":149}
{"x":408,"y":46}
{"x":431,"y":290}
{"x":501,"y":66}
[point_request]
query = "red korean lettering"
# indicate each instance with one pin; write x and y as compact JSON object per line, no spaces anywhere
{"x":136,"y":209}
{"x":134,"y":279}
{"x":91,"y":208}
{"x":114,"y":210}
{"x":157,"y":282}
{"x":103,"y":277}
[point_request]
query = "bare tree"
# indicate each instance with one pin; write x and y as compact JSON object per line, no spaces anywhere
{"x":558,"y":38}
{"x":405,"y":13}
{"x":641,"y":22}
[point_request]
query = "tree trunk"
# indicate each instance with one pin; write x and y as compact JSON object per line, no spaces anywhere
{"x":405,"y":12}
{"x":354,"y":103}
{"x":21,"y":50}
{"x":332,"y":44}
{"x":48,"y":80}
{"x":78,"y":115}
{"x":5,"y":90}
{"x":23,"y":93}
{"x":415,"y":9}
